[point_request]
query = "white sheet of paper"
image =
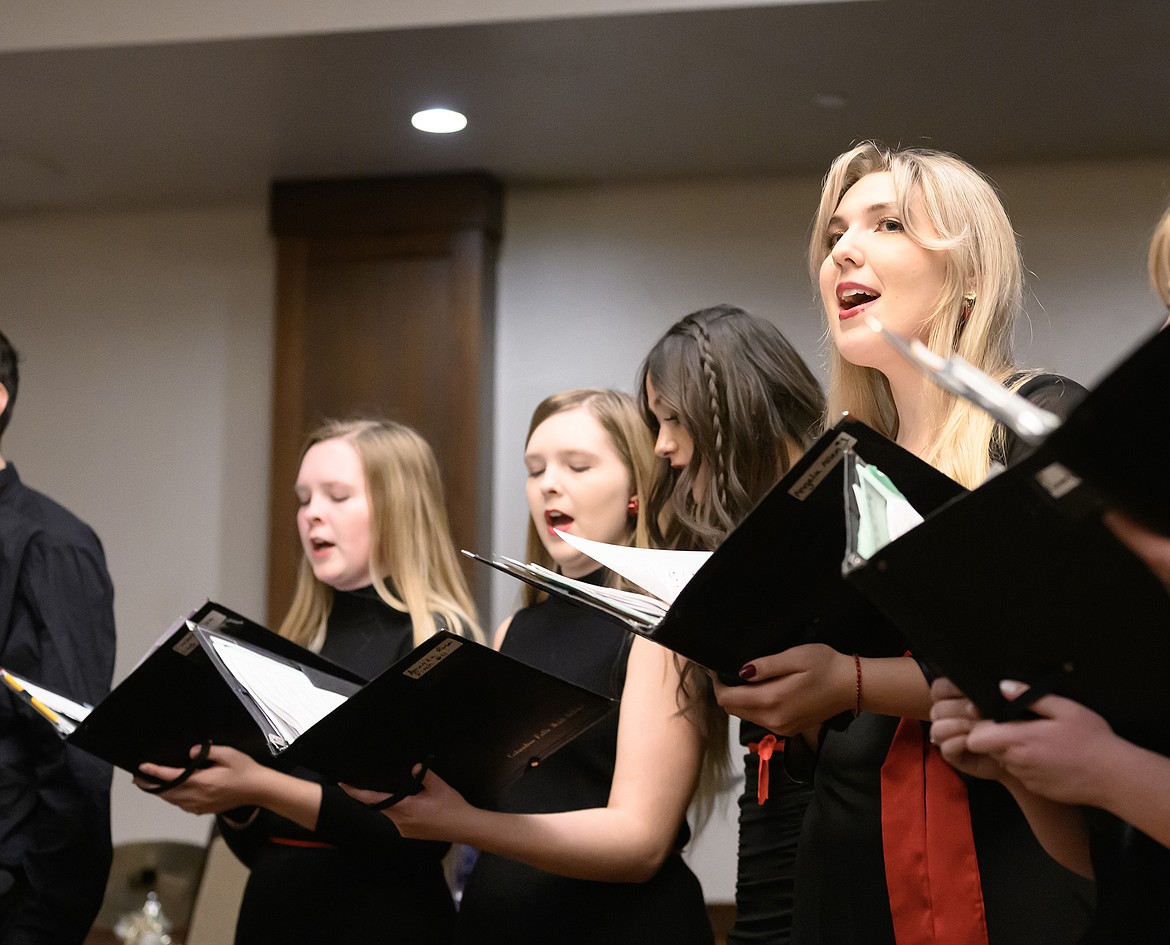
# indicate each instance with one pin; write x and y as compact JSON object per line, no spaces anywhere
{"x":661,"y":572}
{"x":77,"y":711}
{"x":633,"y":603}
{"x":287,"y":696}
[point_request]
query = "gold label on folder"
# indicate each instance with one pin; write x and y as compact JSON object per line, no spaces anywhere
{"x":423,"y":666}
{"x":807,"y":484}
{"x":213,"y":621}
{"x":1057,"y":481}
{"x":187,"y":644}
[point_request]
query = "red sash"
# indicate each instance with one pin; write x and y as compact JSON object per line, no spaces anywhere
{"x":932,"y":874}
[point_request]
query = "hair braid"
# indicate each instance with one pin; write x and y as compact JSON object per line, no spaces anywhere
{"x":703,"y":338}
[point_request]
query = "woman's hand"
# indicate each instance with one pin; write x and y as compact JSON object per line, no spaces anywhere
{"x":232,"y":779}
{"x":437,"y":812}
{"x":1063,"y":756}
{"x":794,"y":691}
{"x":952,"y":719}
{"x":1066,"y":755}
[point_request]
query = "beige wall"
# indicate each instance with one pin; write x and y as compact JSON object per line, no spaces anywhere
{"x":144,"y":407}
{"x":147,"y":340}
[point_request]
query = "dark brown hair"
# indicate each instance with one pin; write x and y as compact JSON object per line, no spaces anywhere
{"x":749,"y":403}
{"x":751,"y":406}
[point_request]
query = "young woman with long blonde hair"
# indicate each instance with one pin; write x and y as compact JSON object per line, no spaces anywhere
{"x":585,"y":848}
{"x":378,"y":575}
{"x":895,"y":847}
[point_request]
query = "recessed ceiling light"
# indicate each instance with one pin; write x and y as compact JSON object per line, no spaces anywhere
{"x":438,"y":121}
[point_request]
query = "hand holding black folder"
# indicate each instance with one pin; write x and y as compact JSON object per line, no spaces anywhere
{"x":481,"y":717}
{"x":1075,"y":613}
{"x":176,"y":698}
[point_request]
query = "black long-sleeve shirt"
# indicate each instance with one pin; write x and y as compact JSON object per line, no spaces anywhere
{"x":57,"y":629}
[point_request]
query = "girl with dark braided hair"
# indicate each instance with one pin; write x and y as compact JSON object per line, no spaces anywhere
{"x":732,"y":405}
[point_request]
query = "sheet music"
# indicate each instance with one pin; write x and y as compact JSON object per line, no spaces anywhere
{"x":63,"y":713}
{"x":62,"y":705}
{"x":663,"y":573}
{"x":285,"y":694}
{"x":638,"y":604}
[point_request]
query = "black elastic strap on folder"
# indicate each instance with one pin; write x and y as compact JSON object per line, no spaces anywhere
{"x":198,"y":762}
{"x":415,"y":788}
{"x":1019,"y":709}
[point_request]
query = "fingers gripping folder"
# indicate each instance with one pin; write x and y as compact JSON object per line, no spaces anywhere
{"x":216,"y":678}
{"x":416,"y":786}
{"x":198,"y":762}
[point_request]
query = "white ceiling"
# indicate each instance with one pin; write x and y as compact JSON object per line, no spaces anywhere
{"x":64,"y":24}
{"x":728,"y":91}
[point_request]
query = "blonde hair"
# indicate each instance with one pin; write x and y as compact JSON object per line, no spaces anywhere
{"x":410,"y":538}
{"x":619,"y":418}
{"x":962,"y":207}
{"x":1160,"y":259}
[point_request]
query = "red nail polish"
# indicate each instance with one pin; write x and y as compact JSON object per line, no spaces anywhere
{"x":747,"y":672}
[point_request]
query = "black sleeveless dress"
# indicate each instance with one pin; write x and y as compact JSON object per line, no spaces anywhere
{"x":842,"y":885}
{"x":354,"y":879}
{"x":510,"y":902}
{"x":767,"y":847}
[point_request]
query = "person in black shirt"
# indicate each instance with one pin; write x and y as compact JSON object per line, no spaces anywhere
{"x":1099,"y":803}
{"x":378,"y":573}
{"x":56,"y":629}
{"x":585,"y":848}
{"x":732,"y":406}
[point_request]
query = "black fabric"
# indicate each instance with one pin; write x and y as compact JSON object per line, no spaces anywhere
{"x":57,"y":629}
{"x":506,"y":901}
{"x":371,"y":884}
{"x":768,"y":836}
{"x":1052,"y":392}
{"x":1133,"y":876}
{"x":842,"y":895}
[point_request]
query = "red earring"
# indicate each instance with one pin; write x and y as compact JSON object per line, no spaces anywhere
{"x":632,"y":506}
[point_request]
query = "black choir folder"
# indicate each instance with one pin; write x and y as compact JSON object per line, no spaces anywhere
{"x":1021,"y":580}
{"x":776,"y":581}
{"x":477,"y":717}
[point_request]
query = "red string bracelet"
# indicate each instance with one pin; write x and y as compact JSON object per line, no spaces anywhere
{"x":857,"y":704}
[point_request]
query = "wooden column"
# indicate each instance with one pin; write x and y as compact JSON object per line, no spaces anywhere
{"x":384,"y":306}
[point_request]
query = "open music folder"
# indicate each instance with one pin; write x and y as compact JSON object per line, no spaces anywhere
{"x":476,"y":717}
{"x":1020,"y":579}
{"x":776,"y":581}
